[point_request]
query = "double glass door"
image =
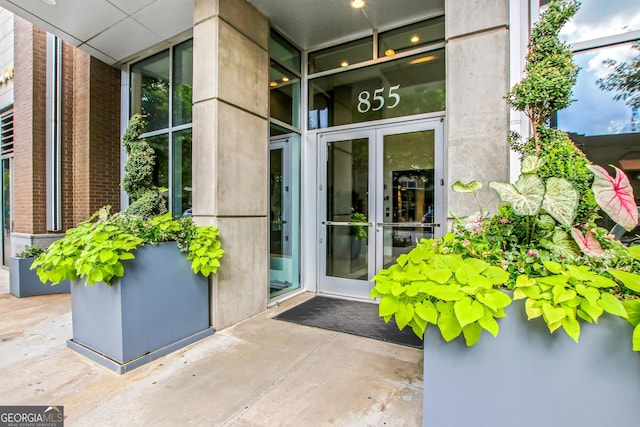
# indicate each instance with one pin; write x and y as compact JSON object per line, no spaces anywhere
{"x":381,"y":192}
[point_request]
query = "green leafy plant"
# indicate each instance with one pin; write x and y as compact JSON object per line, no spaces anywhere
{"x":361,"y":231}
{"x":95,"y":249}
{"x":541,"y":243}
{"x":30,"y":252}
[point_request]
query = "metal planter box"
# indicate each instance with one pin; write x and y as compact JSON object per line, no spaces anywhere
{"x":159,"y":306}
{"x":24,"y":282}
{"x":527,"y":377}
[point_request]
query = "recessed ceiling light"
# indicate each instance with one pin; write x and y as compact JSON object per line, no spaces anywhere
{"x":273,"y":84}
{"x":358,"y":4}
{"x":285,"y":78}
{"x":415,"y":39}
{"x":389,"y":52}
{"x":51,"y":2}
{"x":344,"y":64}
{"x":423,"y":59}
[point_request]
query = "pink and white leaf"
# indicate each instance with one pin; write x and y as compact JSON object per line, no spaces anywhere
{"x":587,"y":243}
{"x":615,"y":196}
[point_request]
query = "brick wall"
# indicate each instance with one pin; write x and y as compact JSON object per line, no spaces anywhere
{"x":29,"y":181}
{"x":96,"y":147}
{"x":90,"y":133}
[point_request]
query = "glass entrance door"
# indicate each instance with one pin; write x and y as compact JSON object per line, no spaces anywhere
{"x":6,"y":209}
{"x":380,"y":194}
{"x":284,"y":217}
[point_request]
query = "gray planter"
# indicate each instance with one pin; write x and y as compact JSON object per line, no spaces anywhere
{"x":159,"y":306}
{"x":24,"y":282}
{"x":527,"y":377}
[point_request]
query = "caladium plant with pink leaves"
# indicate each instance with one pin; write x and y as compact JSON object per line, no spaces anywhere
{"x":615,"y":196}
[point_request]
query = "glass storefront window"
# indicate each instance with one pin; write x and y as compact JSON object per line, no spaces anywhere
{"x":183,"y":83}
{"x":411,"y":37}
{"x":284,"y":52}
{"x":165,"y":99}
{"x":597,"y":18}
{"x":340,"y":56}
{"x":604,"y":121}
{"x":150,"y":90}
{"x":182,"y":161}
{"x":407,"y":86}
{"x":284,"y":95}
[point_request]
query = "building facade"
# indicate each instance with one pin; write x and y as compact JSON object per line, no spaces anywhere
{"x":320,"y":138}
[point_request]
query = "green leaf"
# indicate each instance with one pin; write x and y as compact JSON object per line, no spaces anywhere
{"x":629,"y":280}
{"x":440,"y":275}
{"x":447,"y":293}
{"x":449,"y":326}
{"x":471,"y":187}
{"x":636,"y":338}
{"x":472,"y":333}
{"x":388,"y":306}
{"x":489,"y":323}
{"x":634,"y":251}
{"x":497,"y":299}
{"x":602,"y":282}
{"x":525,"y":197}
{"x":523,"y":281}
{"x":427,"y":311}
{"x":593,"y":310}
{"x":532,"y":310}
{"x":404,"y":315}
{"x":571,"y":327}
{"x":561,"y":243}
{"x":531,"y":164}
{"x":560,"y":294}
{"x":497,"y":275}
{"x":553,"y":267}
{"x":561,"y":200}
{"x":552,"y":314}
{"x":591,"y":294}
{"x":468,"y":311}
{"x":632,"y":308}
{"x":612,"y":305}
{"x":106,"y":255}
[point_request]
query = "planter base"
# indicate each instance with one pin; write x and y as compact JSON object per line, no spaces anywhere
{"x":121,"y":368}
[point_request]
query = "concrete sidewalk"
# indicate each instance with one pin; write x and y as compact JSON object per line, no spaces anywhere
{"x":261,"y":372}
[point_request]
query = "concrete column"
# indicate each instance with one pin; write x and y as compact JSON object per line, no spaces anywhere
{"x":230,"y":150}
{"x":477,"y":114}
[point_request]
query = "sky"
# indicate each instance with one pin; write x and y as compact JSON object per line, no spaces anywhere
{"x":595,"y":112}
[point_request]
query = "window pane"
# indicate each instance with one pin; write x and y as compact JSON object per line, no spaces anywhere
{"x":407,"y":86}
{"x":160,"y":145}
{"x":411,"y":37}
{"x":182,"y":83}
{"x":150,"y":90}
{"x":341,"y":56}
{"x":181,"y":172}
{"x":284,"y":95}
{"x":596,"y":111}
{"x":284,"y":52}
{"x":605,"y":128}
{"x":598,"y":18}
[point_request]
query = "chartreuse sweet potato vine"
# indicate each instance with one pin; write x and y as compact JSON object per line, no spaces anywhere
{"x":454,"y":293}
{"x":95,"y":249}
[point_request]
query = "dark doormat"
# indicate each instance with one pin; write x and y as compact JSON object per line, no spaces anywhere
{"x":351,"y":317}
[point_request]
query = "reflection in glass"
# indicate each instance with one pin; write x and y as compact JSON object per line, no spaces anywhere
{"x":408,"y":191}
{"x":348,"y":201}
{"x":160,"y":145}
{"x":284,"y":95}
{"x":6,"y":210}
{"x":411,"y":36}
{"x":284,"y":217}
{"x":150,"y":90}
{"x":341,"y":56}
{"x":597,"y":18}
{"x":182,"y":160}
{"x":605,"y":128}
{"x":284,"y":52}
{"x":182,"y":83}
{"x":407,"y":86}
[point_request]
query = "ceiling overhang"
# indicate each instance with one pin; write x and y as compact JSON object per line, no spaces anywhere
{"x":117,"y":31}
